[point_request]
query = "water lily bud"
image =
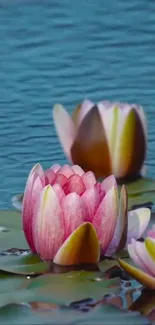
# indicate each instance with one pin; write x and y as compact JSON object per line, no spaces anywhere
{"x":69,"y":218}
{"x":107,"y":138}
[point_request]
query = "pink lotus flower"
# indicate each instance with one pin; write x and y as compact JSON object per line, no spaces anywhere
{"x":70,"y":218}
{"x":143,"y":255}
{"x":107,"y":138}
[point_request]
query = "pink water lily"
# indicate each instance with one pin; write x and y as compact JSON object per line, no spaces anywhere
{"x":69,"y":218}
{"x":143,"y":255}
{"x":107,"y":138}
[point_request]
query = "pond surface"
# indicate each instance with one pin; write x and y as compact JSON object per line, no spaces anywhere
{"x":65,"y":51}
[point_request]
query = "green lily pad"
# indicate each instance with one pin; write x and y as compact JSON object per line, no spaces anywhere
{"x":11,"y":234}
{"x":107,"y":264}
{"x":73,"y":286}
{"x":141,"y":185}
{"x":22,"y":314}
{"x":108,"y":314}
{"x":59,"y":289}
{"x":23,"y":295}
{"x":13,"y":239}
{"x":102,"y":314}
{"x":141,"y":191}
{"x":11,"y":282}
{"x":10,"y":219}
{"x":25,"y":265}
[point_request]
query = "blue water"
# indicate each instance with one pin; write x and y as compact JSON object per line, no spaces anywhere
{"x":64,"y":51}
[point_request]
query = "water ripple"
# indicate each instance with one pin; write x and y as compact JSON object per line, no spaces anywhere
{"x":64,"y":51}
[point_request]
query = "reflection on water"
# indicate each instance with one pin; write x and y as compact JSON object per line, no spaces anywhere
{"x":63,"y":51}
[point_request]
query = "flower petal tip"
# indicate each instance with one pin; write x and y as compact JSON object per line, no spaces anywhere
{"x":138,"y":221}
{"x":81,"y":247}
{"x":147,"y":280}
{"x":37,"y":168}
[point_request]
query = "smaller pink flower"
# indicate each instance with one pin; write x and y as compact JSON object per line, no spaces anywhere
{"x":143,"y":255}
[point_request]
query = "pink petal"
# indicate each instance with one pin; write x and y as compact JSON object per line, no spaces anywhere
{"x":77,"y":170}
{"x":138,"y":220}
{"x":91,"y":199}
{"x":49,"y":176}
{"x":151,"y":232}
{"x":55,"y":168}
{"x":32,"y":191}
{"x":85,"y":108}
{"x":89,"y":179}
{"x":106,"y":217}
{"x":134,"y":256}
{"x":74,"y":212}
{"x":108,"y":183}
{"x":48,"y":224}
{"x":65,"y":128}
{"x":66,"y":170}
{"x":61,"y":180}
{"x":74,"y":184}
{"x":100,"y":191}
{"x":38,"y":170}
{"x":59,"y":192}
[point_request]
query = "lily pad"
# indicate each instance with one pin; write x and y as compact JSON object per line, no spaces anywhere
{"x":22,"y":314}
{"x":22,"y":295}
{"x":73,"y":286}
{"x":141,"y":191}
{"x":103,"y":314}
{"x":25,"y":265}
{"x":10,"y":219}
{"x":108,"y":263}
{"x":108,"y":314}
{"x":13,"y":239}
{"x":141,"y":185}
{"x":10,"y":282}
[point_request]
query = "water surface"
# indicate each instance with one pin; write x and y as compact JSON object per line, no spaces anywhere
{"x":64,"y":51}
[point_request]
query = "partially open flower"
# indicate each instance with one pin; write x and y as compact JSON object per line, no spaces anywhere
{"x":143,"y":255}
{"x":69,"y":218}
{"x":107,"y":138}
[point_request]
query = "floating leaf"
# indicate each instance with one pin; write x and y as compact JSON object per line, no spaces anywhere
{"x":72,"y":286}
{"x":26,"y":265}
{"x":141,"y":185}
{"x":13,"y":239}
{"x":107,"y":264}
{"x":11,"y":282}
{"x":19,"y":314}
{"x":103,"y":314}
{"x":10,"y":219}
{"x":141,"y":191}
{"x":108,"y":314}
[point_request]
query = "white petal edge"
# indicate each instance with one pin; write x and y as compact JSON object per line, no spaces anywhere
{"x":65,"y":128}
{"x":138,"y":221}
